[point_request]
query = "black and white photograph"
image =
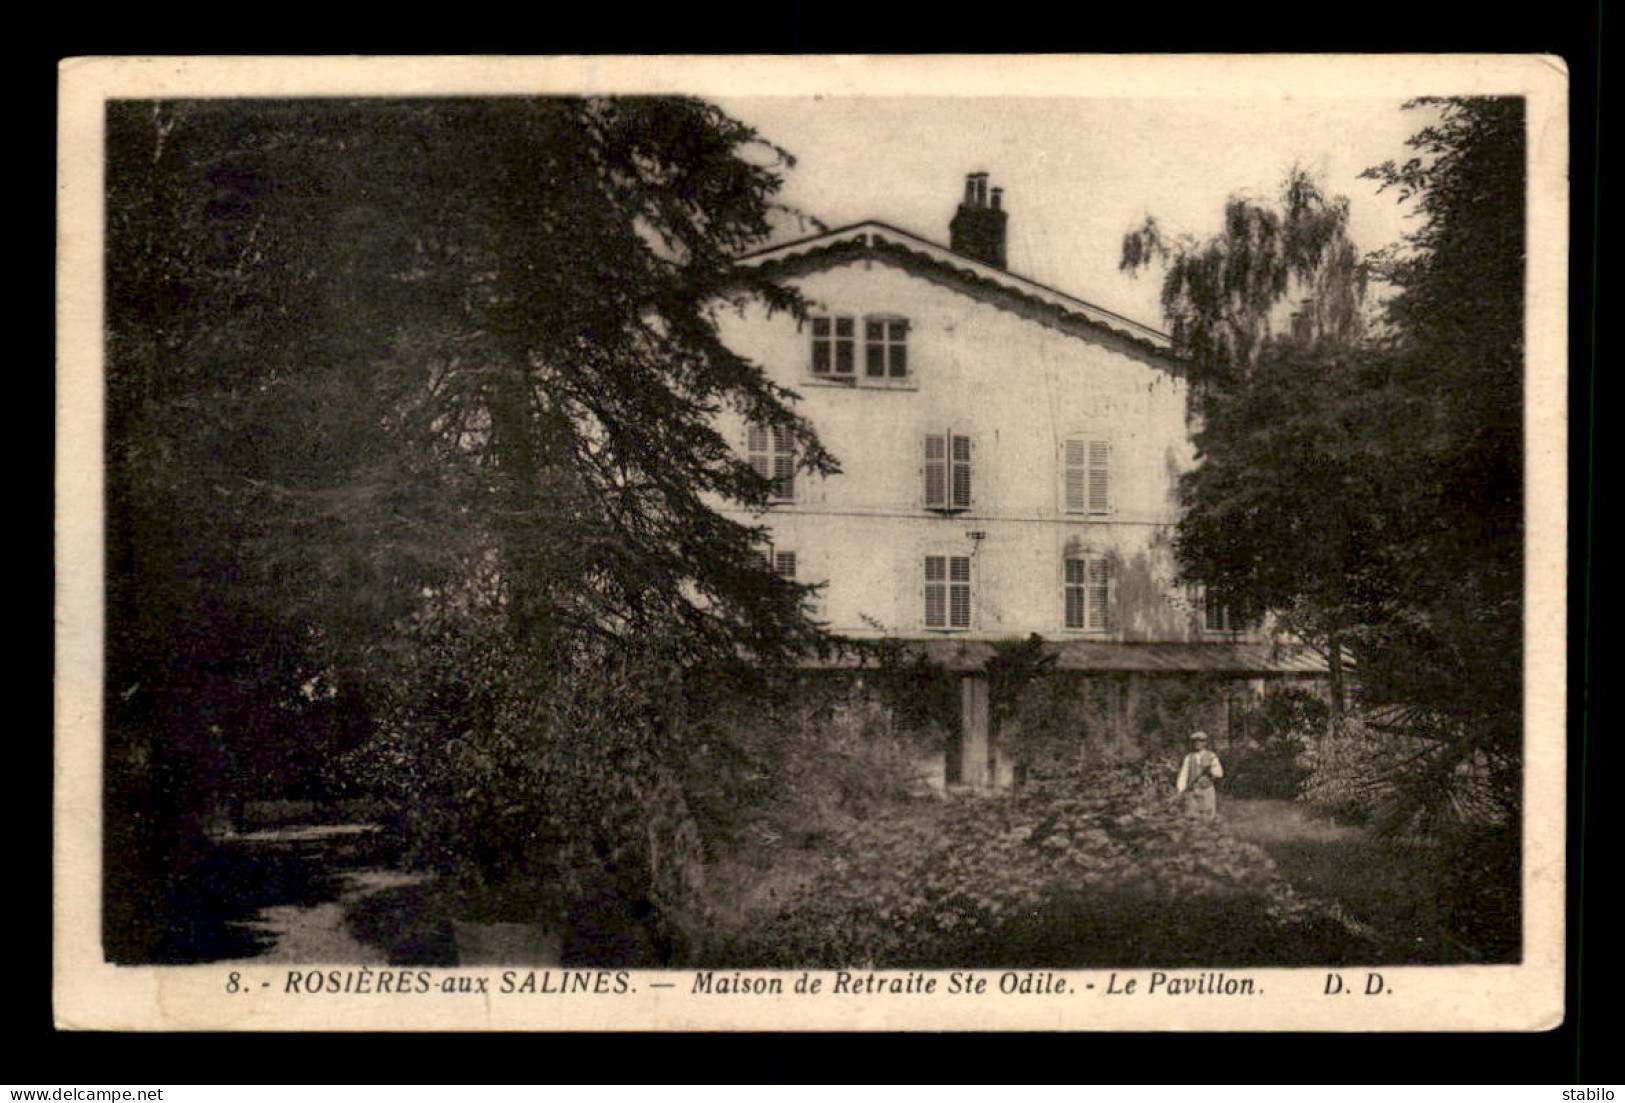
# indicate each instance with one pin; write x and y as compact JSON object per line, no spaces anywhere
{"x":1063,"y":543}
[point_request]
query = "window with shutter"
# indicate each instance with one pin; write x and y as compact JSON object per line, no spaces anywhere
{"x":1086,"y":593}
{"x":1087,"y":475}
{"x":947,"y":591}
{"x":771,"y":452}
{"x":784,"y":465}
{"x":784,"y":564}
{"x":1219,"y":617}
{"x":947,"y":471}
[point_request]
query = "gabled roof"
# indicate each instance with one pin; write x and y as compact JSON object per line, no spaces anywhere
{"x":880,"y":240}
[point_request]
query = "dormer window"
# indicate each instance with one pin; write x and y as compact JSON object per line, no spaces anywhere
{"x":885,"y":348}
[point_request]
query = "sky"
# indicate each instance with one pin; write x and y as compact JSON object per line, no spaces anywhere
{"x":1078,"y":173}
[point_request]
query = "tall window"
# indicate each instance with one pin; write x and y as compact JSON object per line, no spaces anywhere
{"x":784,"y":565}
{"x":885,"y":348}
{"x":1087,"y":591}
{"x":833,"y":344}
{"x":947,"y":471}
{"x":1088,"y":475}
{"x":947,"y":591}
{"x":772,"y":452}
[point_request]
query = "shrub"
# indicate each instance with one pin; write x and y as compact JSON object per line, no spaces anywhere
{"x":1419,"y":773}
{"x":1269,"y":762}
{"x":1480,"y":892}
{"x":786,"y":766}
{"x":545,"y":791}
{"x":1066,"y":872}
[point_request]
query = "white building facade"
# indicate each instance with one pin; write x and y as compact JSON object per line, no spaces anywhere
{"x":1010,"y":458}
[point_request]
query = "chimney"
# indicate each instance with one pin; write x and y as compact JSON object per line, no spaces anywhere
{"x":977,"y":229}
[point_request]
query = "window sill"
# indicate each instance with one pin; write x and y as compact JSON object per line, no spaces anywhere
{"x":862,"y":383}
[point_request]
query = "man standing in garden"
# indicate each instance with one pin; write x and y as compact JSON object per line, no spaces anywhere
{"x":1196,"y":777}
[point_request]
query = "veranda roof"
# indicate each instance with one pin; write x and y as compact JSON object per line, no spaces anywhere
{"x":1237,"y":659}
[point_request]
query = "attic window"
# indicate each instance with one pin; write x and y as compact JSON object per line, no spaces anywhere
{"x":885,"y":348}
{"x":884,"y":337}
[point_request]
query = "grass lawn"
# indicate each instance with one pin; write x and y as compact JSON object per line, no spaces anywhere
{"x":1387,"y":887}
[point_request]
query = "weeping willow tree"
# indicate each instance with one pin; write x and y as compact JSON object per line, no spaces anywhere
{"x":1225,"y":299}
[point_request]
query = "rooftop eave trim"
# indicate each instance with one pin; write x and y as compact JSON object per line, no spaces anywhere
{"x":878,"y":237}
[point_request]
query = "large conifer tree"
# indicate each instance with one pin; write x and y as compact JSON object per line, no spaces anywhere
{"x":411,"y":418}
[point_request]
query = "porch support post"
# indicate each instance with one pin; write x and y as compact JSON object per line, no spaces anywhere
{"x":974,"y":747}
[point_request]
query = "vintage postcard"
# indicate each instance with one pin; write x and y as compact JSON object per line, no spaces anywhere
{"x":812,"y":543}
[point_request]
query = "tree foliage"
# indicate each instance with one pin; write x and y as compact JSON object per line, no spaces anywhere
{"x":1365,"y":483}
{"x":1266,"y":315}
{"x":404,"y":393}
{"x":1221,"y":297}
{"x":1455,"y":338}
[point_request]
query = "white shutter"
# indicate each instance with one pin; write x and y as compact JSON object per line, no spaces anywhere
{"x":936,"y":596}
{"x":784,"y":465}
{"x":1100,"y":458}
{"x":961,"y":457}
{"x":756,"y":451}
{"x":1075,"y":473}
{"x":1075,"y":587}
{"x":936,"y":471}
{"x":959,"y":591}
{"x":1100,"y":586}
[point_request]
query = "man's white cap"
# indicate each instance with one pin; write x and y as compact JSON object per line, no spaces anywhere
{"x":1198,"y":735}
